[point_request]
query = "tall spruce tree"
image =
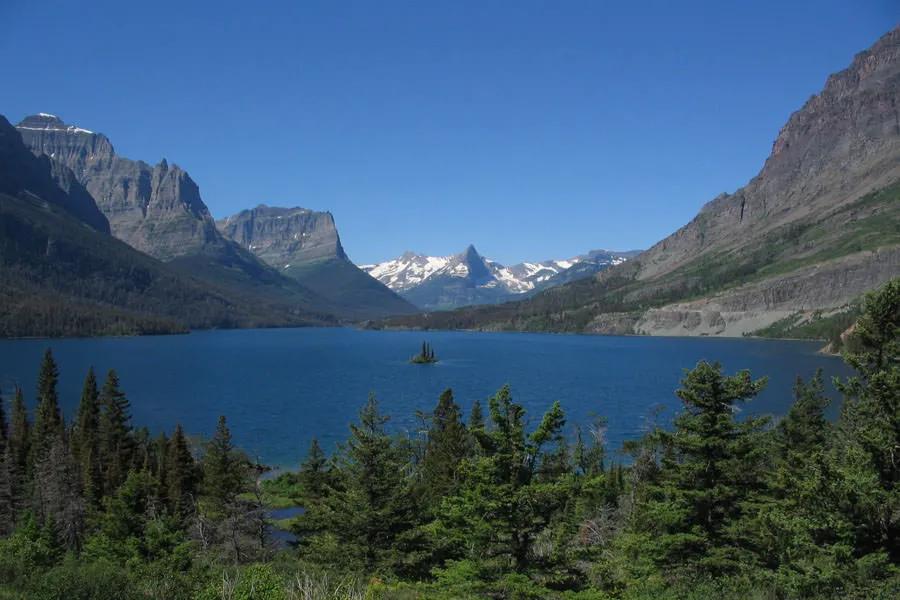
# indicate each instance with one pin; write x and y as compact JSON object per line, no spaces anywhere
{"x":224,"y":471}
{"x":115,"y":438}
{"x":501,"y":506}
{"x":86,"y":439}
{"x":371,"y":509}
{"x":48,"y":423}
{"x":7,"y":512}
{"x":870,"y":420}
{"x":314,"y":476}
{"x":180,"y":474}
{"x":447,"y":445}
{"x":711,"y":463}
{"x":19,"y":451}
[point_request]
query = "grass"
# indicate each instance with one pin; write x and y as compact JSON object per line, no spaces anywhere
{"x":819,"y":327}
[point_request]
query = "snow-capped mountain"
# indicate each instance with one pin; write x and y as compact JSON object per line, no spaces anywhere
{"x":443,"y":282}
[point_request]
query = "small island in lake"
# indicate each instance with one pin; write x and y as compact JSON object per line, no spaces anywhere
{"x":425,"y":357}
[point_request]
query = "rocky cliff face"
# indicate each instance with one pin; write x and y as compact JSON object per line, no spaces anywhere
{"x":156,"y":209}
{"x":844,"y":142}
{"x":304,"y":245}
{"x":284,"y":236}
{"x":818,"y":226}
{"x":45,"y":179}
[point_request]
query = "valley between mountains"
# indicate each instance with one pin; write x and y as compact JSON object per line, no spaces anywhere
{"x":94,"y":243}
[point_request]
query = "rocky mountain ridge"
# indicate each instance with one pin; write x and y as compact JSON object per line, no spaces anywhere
{"x":304,"y":245}
{"x":817,"y":227}
{"x":442,"y":282}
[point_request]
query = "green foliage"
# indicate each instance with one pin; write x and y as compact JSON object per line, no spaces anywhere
{"x":718,"y":506}
{"x":425,"y":356}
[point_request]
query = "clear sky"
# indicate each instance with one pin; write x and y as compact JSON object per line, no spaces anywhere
{"x":532,"y":129}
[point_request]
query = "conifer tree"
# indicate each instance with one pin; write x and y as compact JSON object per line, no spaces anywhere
{"x":370,"y":510}
{"x":48,"y":423}
{"x":7,"y":513}
{"x":711,"y":462}
{"x":870,"y":419}
{"x":448,"y":443}
{"x":116,"y":443}
{"x":314,"y":476}
{"x":180,"y":476}
{"x":19,"y":450}
{"x":224,"y":471}
{"x":85,"y":439}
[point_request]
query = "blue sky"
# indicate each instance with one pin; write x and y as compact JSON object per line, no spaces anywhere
{"x":531,"y":129}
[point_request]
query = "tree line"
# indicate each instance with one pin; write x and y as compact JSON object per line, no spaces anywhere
{"x":477,"y":505}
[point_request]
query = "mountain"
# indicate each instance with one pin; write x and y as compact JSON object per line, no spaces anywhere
{"x":818,"y":226}
{"x":61,"y":273}
{"x":467,"y":278}
{"x":157,"y":209}
{"x":304,"y":245}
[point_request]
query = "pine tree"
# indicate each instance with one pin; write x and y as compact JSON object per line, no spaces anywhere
{"x":19,"y":450}
{"x":48,"y":423}
{"x":371,"y":509}
{"x":7,"y":512}
{"x":180,"y":476}
{"x":870,"y":420}
{"x":501,"y":506}
{"x":116,"y":443}
{"x":224,"y":471}
{"x":710,"y":465}
{"x":314,"y":477}
{"x":448,"y":443}
{"x":86,"y":441}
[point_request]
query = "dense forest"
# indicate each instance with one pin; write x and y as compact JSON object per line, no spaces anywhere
{"x":482,"y":505}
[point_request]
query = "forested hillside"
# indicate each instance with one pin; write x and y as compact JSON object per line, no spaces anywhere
{"x":487,"y":504}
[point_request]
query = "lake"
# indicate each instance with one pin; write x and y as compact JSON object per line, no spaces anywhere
{"x":280,"y":388}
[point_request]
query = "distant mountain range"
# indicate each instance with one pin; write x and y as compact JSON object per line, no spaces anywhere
{"x":467,"y":278}
{"x":95,"y":243}
{"x":157,"y":209}
{"x":815,"y":229}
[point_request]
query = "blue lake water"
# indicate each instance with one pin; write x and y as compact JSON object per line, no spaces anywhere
{"x":280,"y":388}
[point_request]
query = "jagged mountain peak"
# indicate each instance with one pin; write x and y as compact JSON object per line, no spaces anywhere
{"x":47,"y":122}
{"x":469,"y":278}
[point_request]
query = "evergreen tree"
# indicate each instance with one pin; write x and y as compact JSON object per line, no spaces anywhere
{"x":711,"y":465}
{"x":48,"y":423}
{"x":314,"y":477}
{"x":7,"y":512}
{"x":870,"y":420}
{"x":224,"y":471}
{"x":86,"y":440}
{"x":370,"y":509}
{"x":501,"y":506}
{"x":19,"y":450}
{"x":116,"y":443}
{"x":447,"y":444}
{"x":180,"y":475}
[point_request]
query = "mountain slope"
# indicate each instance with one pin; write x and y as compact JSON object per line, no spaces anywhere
{"x":817,"y":227}
{"x":304,"y":245}
{"x":446,"y":282}
{"x":60,"y":275}
{"x":158,"y":210}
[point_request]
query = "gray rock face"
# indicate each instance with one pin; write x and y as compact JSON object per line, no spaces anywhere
{"x":842,"y":143}
{"x":284,"y":236}
{"x":46,"y":179}
{"x":304,"y":245}
{"x":156,"y":209}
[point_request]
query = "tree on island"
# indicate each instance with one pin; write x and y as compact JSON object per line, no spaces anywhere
{"x":425,"y":356}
